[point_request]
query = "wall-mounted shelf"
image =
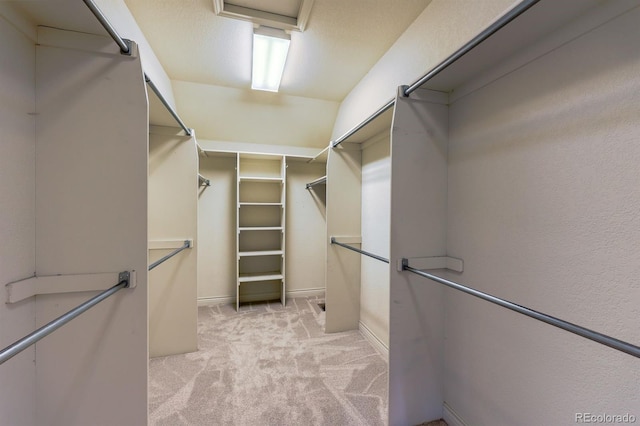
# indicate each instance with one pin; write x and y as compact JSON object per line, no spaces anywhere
{"x":256,"y":277}
{"x":260,"y":179}
{"x":261,"y":253}
{"x":259,"y":204}
{"x":260,"y":228}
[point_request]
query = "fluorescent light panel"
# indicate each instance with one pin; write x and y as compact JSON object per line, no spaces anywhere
{"x":270,"y":48}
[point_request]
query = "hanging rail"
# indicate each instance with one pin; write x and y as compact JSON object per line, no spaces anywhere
{"x":362,"y":124}
{"x":125,"y":49}
{"x":573,"y":328}
{"x":512,"y":14}
{"x":203,"y":180}
{"x":22,"y":344}
{"x":366,"y":253}
{"x":318,"y":181}
{"x":187,"y":244}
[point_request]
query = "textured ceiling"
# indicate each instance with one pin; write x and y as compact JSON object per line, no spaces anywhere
{"x":342,"y":41}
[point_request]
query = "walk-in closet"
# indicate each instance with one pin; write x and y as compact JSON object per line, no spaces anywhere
{"x":429,"y":217}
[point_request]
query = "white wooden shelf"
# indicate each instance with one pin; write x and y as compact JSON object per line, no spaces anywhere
{"x":261,"y":179}
{"x":260,"y":228}
{"x":260,"y":253}
{"x":260,"y":276}
{"x":259,"y":204}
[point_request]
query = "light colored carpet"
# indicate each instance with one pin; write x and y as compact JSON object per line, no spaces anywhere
{"x":269,"y":365}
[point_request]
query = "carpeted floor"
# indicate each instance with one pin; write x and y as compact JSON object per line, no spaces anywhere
{"x":269,"y":365}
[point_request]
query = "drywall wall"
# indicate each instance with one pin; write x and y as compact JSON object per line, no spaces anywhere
{"x":374,"y":286}
{"x":418,"y":229}
{"x":543,"y":200}
{"x":17,"y":217}
{"x":217,"y":230}
{"x":344,"y":207}
{"x":443,"y":27}
{"x":305,"y":230}
{"x":91,"y":216}
{"x":173,"y":217}
{"x":123,"y":21}
{"x":222,"y":113}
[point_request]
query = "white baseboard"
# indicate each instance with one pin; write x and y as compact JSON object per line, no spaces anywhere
{"x":451,"y":417}
{"x":307,"y":292}
{"x":366,"y":332}
{"x":218,"y":300}
{"x":221,"y":300}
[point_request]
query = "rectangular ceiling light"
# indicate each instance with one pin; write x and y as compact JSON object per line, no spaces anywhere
{"x":270,"y":48}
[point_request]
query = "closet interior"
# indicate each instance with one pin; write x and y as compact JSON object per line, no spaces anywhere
{"x":486,"y":151}
{"x":262,"y":224}
{"x":508,"y":171}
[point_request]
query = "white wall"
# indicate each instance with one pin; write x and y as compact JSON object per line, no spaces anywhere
{"x":443,"y":27}
{"x":418,"y":229}
{"x":217,"y":230}
{"x":374,"y":286}
{"x":125,"y":24}
{"x":17,"y":217}
{"x":344,"y":207}
{"x":222,"y":113}
{"x":123,"y":21}
{"x":91,"y":216}
{"x":543,"y":208}
{"x":173,"y":216}
{"x":305,"y":230}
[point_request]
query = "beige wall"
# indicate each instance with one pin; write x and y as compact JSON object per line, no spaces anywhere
{"x":173,"y":216}
{"x":374,"y":290}
{"x":17,"y":217}
{"x":417,"y":229}
{"x":123,"y":21}
{"x":443,"y":27}
{"x":222,"y":113}
{"x":91,"y":216}
{"x":306,"y":229}
{"x":543,"y":208}
{"x":344,"y":183}
{"x":217,"y":230}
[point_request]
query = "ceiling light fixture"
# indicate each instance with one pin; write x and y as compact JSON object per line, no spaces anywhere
{"x":270,"y":48}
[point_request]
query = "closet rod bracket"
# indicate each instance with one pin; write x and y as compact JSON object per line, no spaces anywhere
{"x":432,"y":262}
{"x":127,"y":52}
{"x":125,"y":276}
{"x":402,"y":91}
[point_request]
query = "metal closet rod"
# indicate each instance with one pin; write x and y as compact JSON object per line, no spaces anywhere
{"x":357,"y":250}
{"x":22,"y":344}
{"x":125,"y":49}
{"x":485,"y":34}
{"x":319,"y":181}
{"x":609,"y":341}
{"x":187,"y":244}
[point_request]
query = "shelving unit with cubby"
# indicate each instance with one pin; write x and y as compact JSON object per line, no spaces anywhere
{"x":260,"y":226}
